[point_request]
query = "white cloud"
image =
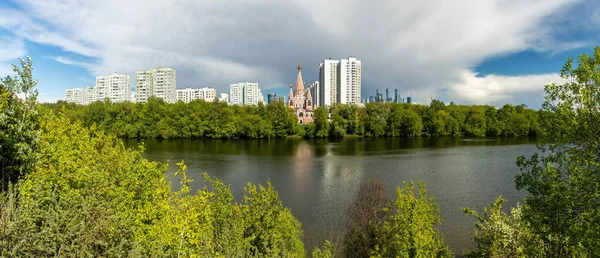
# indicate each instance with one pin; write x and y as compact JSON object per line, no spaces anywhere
{"x":427,"y":47}
{"x":498,"y":90}
{"x":68,"y":61}
{"x":11,"y":48}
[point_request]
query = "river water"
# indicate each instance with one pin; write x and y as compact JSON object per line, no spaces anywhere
{"x":317,"y":179}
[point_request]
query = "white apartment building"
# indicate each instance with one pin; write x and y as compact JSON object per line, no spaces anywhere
{"x":76,"y":95}
{"x":224,"y":97}
{"x":349,"y":81}
{"x":90,"y":94}
{"x":328,"y":82}
{"x":315,"y":92}
{"x":340,"y":81}
{"x":158,"y":82}
{"x":188,"y":94}
{"x":245,"y":93}
{"x":113,"y":86}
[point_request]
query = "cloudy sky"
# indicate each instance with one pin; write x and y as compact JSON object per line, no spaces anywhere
{"x":479,"y":51}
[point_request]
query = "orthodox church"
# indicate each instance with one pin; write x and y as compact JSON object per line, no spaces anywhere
{"x":301,"y":101}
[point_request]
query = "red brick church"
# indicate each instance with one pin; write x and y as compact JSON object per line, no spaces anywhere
{"x":301,"y":101}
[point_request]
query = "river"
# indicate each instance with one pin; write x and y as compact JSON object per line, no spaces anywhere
{"x":317,"y":179}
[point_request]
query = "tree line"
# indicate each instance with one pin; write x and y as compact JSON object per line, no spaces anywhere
{"x":201,"y":119}
{"x":70,"y":189}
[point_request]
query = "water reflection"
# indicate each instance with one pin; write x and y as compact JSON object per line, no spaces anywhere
{"x":318,"y":178}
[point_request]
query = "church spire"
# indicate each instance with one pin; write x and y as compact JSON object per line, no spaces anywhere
{"x":299,"y":82}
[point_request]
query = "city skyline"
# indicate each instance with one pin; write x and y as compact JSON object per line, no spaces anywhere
{"x":495,"y":52}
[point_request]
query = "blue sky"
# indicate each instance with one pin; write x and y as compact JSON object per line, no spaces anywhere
{"x":471,"y":52}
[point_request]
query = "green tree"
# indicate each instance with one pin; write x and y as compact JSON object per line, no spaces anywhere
{"x":19,"y":124}
{"x":410,"y":229}
{"x":376,"y":119}
{"x":329,"y":250}
{"x":498,"y":234}
{"x":563,"y":184}
{"x":321,"y":123}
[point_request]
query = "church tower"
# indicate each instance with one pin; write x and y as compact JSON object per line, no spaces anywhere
{"x":301,"y":101}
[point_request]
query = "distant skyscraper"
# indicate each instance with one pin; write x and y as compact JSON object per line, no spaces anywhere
{"x":245,"y":93}
{"x":387,"y":95}
{"x":409,"y":100}
{"x":396,"y":96}
{"x":189,"y":94}
{"x":157,"y":82}
{"x":273,"y":97}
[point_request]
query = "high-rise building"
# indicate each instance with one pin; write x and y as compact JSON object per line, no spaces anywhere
{"x":396,"y":95}
{"x":315,"y":92}
{"x":158,"y":82}
{"x":188,"y":94}
{"x":76,"y":95}
{"x":224,"y":97}
{"x":340,"y":81}
{"x":115,"y":87}
{"x":245,"y":93}
{"x":409,"y":100}
{"x":328,"y":82}
{"x":271,"y":97}
{"x":387,"y":95}
{"x":90,"y":94}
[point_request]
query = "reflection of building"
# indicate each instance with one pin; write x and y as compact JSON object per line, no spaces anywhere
{"x":301,"y":101}
{"x":302,"y":168}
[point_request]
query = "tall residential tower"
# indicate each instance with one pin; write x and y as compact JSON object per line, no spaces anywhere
{"x":340,"y":81}
{"x":158,"y":82}
{"x":245,"y":93}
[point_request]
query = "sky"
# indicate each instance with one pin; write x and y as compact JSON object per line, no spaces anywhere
{"x":491,"y":52}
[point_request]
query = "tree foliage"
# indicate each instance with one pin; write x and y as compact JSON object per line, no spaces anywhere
{"x":200,"y":119}
{"x":19,"y":124}
{"x":405,"y":227}
{"x":498,"y":234}
{"x":409,"y":230}
{"x":563,"y":183}
{"x":89,"y":196}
